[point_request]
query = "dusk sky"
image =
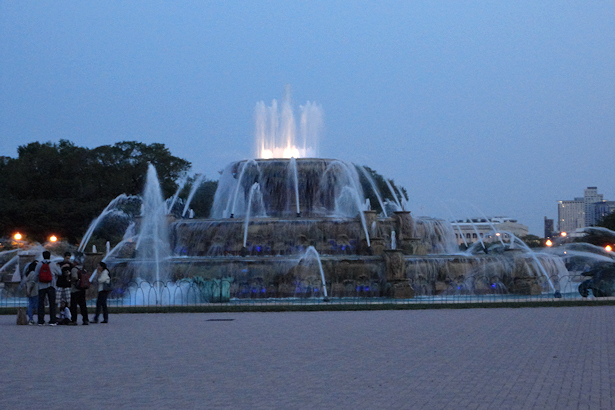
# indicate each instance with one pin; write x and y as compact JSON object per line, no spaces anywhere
{"x":475,"y":107}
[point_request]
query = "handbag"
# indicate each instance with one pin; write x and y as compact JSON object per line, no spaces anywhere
{"x":107,"y":286}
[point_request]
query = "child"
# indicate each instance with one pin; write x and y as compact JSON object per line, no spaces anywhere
{"x":65,"y":315}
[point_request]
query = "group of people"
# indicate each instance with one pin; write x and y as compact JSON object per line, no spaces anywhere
{"x":64,"y":285}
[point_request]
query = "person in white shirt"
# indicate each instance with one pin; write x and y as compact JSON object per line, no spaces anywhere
{"x":104,"y":288}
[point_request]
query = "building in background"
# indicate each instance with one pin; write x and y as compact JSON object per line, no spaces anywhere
{"x":469,"y":231}
{"x":549,"y":227}
{"x":603,"y":209}
{"x":583,"y":211}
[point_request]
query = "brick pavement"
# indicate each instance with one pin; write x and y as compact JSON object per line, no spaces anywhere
{"x":527,"y":358}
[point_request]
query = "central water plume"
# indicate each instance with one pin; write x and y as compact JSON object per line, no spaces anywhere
{"x":276,"y":130}
{"x":153,"y":247}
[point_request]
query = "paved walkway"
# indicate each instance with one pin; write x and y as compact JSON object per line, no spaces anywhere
{"x":528,"y":358}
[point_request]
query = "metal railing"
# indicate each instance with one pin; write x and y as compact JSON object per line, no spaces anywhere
{"x":198,"y":292}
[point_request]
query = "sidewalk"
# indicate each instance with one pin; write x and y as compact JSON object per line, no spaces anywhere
{"x":526,"y":358}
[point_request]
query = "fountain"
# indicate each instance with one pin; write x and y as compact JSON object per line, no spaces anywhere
{"x":289,"y":224}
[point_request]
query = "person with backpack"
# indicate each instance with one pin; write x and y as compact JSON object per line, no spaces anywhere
{"x":46,"y":274}
{"x":104,"y":288}
{"x":80,"y":282}
{"x":63,"y":291}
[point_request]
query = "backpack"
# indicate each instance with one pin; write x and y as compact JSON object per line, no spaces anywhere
{"x":83,"y":279}
{"x":22,"y":318}
{"x":44,"y":274}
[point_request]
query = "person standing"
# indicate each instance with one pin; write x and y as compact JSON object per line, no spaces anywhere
{"x":31,"y":284}
{"x":104,"y":288}
{"x":80,"y":282}
{"x":46,"y":274}
{"x":63,"y":282}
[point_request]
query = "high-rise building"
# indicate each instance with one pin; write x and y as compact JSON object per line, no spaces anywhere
{"x":570,"y":215}
{"x":582,"y":212}
{"x":590,"y":198}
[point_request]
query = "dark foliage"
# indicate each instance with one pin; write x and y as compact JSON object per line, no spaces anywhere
{"x":60,"y":188}
{"x":608,"y":221}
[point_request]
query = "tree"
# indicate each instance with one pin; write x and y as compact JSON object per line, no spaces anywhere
{"x":533,"y":241}
{"x":608,"y":221}
{"x":60,"y":188}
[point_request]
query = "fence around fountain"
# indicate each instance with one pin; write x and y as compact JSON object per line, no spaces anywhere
{"x":190,"y":295}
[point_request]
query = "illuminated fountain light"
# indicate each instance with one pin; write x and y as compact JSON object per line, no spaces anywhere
{"x":277,"y":135}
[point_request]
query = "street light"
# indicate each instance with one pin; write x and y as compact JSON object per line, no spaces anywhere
{"x":608,"y":248}
{"x":53,"y":238}
{"x":549,"y":243}
{"x":18,"y":237}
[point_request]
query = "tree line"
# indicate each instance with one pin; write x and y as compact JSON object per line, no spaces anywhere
{"x":59,"y":188}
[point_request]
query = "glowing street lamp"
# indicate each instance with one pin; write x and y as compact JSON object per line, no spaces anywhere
{"x":564,"y":234}
{"x":608,"y":248}
{"x":53,"y":238}
{"x":549,"y":243}
{"x":18,"y":238}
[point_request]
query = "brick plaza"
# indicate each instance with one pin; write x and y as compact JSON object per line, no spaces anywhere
{"x":517,"y":358}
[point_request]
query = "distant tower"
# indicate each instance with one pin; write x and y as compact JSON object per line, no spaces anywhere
{"x":548,"y":227}
{"x":590,"y":198}
{"x":580,"y":212}
{"x":570,"y":215}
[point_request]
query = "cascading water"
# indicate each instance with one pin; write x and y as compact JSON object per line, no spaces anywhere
{"x":239,"y":183}
{"x":293,"y":166}
{"x":255,"y":196}
{"x":374,"y":188}
{"x":350,"y":189}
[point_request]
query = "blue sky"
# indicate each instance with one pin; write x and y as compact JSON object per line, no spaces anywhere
{"x":476,"y":107}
